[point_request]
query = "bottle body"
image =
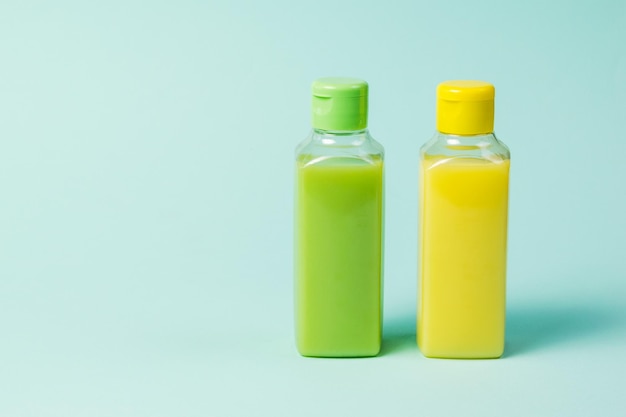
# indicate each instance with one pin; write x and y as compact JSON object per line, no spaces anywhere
{"x":463,"y":235}
{"x":338,"y":244}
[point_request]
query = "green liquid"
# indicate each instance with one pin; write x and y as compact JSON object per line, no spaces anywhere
{"x":338,"y":262}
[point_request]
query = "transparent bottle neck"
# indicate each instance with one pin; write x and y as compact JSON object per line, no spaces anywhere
{"x":484,"y":146}
{"x":480,"y":136}
{"x":340,"y":137}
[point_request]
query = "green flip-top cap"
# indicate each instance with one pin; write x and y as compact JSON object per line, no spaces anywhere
{"x":339,"y":104}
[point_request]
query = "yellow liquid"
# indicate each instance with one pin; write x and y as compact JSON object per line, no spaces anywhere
{"x":462,"y":270}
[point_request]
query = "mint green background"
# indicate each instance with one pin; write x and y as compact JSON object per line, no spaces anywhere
{"x":146,"y":174}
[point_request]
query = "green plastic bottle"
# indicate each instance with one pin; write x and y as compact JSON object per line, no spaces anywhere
{"x":339,"y":226}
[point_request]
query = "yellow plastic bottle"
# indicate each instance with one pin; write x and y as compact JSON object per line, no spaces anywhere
{"x":464,"y":178}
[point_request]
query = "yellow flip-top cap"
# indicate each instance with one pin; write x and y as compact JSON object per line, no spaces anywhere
{"x":465,"y":107}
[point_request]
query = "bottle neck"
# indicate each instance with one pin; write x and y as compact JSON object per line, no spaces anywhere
{"x":340,"y":137}
{"x":483,"y":146}
{"x":467,"y":140}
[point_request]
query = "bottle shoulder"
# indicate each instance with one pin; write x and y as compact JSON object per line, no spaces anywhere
{"x":320,"y":145}
{"x":486,"y":146}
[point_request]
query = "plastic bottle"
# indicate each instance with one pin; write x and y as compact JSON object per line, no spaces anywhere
{"x":464,"y":178}
{"x":339,"y":226}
